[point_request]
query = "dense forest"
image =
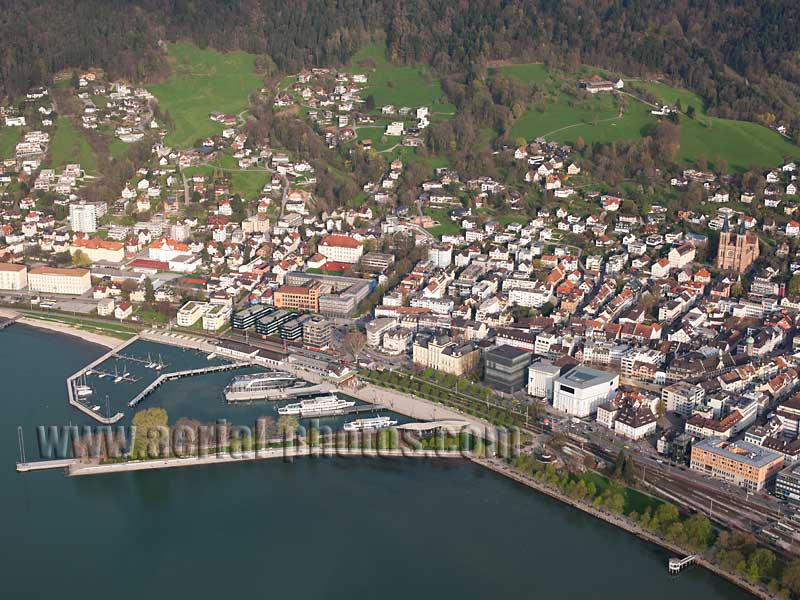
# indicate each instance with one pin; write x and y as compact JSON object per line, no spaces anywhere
{"x":741,"y":56}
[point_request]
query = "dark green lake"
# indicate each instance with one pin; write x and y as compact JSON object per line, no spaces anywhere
{"x":323,"y":528}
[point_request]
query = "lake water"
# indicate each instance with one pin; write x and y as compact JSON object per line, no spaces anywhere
{"x":316,"y":528}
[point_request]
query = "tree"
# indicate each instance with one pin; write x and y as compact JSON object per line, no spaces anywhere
{"x":354,"y":342}
{"x":619,"y":463}
{"x":369,"y":103}
{"x":80,"y":259}
{"x":760,"y":565}
{"x":791,"y":578}
{"x":580,"y":144}
{"x":150,"y":433}
{"x":287,"y":425}
{"x":629,"y":469}
{"x":699,"y":531}
{"x":149,"y":292}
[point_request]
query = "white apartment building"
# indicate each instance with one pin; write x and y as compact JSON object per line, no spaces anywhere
{"x":51,"y":280}
{"x":13,"y":277}
{"x":83,"y":216}
{"x":682,"y":397}
{"x":216,"y":316}
{"x":191,"y":312}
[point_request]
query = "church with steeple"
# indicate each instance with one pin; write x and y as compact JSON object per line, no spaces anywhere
{"x":737,"y":250}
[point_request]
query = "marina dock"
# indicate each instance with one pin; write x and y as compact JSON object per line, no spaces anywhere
{"x":45,"y":465}
{"x":71,"y":383}
{"x":187,"y":373}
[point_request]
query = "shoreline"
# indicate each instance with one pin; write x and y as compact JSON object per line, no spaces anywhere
{"x":622,"y":523}
{"x":53,"y":326}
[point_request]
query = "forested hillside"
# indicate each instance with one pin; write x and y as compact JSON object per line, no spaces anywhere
{"x":741,"y":57}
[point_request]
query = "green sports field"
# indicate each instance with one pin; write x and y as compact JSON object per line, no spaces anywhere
{"x":203,"y":81}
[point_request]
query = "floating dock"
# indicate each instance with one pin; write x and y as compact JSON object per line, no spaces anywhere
{"x":276,"y":393}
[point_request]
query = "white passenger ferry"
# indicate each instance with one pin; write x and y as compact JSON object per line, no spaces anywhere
{"x":370,"y":424}
{"x":317,"y":407}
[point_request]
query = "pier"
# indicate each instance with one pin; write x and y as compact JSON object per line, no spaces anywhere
{"x":9,"y":321}
{"x":45,"y":465}
{"x":187,"y":373}
{"x":676,"y":565}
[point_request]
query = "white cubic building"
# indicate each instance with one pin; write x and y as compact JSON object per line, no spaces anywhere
{"x":13,"y":277}
{"x":580,"y":391}
{"x":541,"y":377}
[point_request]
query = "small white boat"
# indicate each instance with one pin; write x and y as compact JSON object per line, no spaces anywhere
{"x":211,"y":356}
{"x":370,"y":424}
{"x":83,"y":391}
{"x":96,"y":407}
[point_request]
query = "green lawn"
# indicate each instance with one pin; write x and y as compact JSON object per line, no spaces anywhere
{"x":203,"y":81}
{"x":400,"y":86}
{"x":741,"y":143}
{"x":445,"y":226}
{"x":565,"y":116}
{"x":595,"y":119}
{"x":9,"y":136}
{"x":69,"y":146}
{"x":117,"y":147}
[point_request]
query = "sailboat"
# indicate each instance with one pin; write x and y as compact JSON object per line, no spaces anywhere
{"x":82,"y":389}
{"x":117,"y":376}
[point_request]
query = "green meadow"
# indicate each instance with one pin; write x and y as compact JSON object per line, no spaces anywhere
{"x":741,"y":143}
{"x":67,"y":145}
{"x":202,"y":82}
{"x":9,"y":136}
{"x":400,"y":86}
{"x":565,"y":115}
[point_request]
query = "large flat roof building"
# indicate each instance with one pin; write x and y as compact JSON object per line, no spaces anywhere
{"x":506,"y":368}
{"x":580,"y":391}
{"x":50,"y":280}
{"x":742,"y":463}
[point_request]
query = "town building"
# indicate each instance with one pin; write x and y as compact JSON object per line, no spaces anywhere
{"x":442,"y":354}
{"x":303,"y":297}
{"x":51,"y":280}
{"x":581,"y":390}
{"x":341,"y":248}
{"x":247,"y":317}
{"x":13,"y":277}
{"x":97,"y":249}
{"x":506,"y":368}
{"x":317,"y":333}
{"x":682,"y":397}
{"x":787,"y":484}
{"x":741,"y":463}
